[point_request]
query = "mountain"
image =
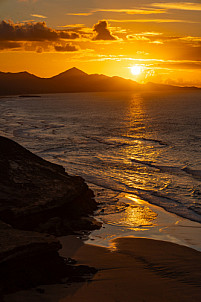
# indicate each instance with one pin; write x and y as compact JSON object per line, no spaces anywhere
{"x":19,"y":83}
{"x":72,"y":80}
{"x":72,"y":72}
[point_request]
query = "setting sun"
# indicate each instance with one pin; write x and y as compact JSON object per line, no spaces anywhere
{"x":136,"y":70}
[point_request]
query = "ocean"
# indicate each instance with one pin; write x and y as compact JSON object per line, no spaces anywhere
{"x":147,"y":145}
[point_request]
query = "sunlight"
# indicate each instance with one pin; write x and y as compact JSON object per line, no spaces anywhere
{"x":136,"y":69}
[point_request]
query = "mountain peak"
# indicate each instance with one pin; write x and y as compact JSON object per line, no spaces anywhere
{"x":72,"y":72}
{"x":76,"y":70}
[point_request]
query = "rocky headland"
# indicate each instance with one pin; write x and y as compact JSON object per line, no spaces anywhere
{"x":38,"y":201}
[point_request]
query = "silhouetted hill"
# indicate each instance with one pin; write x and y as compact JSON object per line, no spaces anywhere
{"x":72,"y":72}
{"x":166,"y":87}
{"x":19,"y":83}
{"x":72,"y":80}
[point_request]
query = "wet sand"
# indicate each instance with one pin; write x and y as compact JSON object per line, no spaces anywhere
{"x":142,"y":219}
{"x":133,"y":269}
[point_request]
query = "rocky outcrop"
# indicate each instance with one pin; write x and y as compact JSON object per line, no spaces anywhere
{"x":28,"y":259}
{"x":22,"y":254}
{"x":38,"y":195}
{"x":37,"y":199}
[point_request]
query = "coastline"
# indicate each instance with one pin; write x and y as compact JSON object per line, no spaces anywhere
{"x":134,"y":221}
{"x":158,"y":267}
{"x":133,"y":270}
{"x":137,"y":219}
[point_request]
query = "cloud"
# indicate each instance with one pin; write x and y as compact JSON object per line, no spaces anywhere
{"x":38,"y":16}
{"x":102,"y":31}
{"x":68,"y":35}
{"x":150,"y":33}
{"x":179,"y":5}
{"x":156,"y":42}
{"x":133,"y":11}
{"x":30,"y":31}
{"x":9,"y":45}
{"x":194,"y":41}
{"x":66,"y":48}
{"x":140,"y":52}
{"x":80,"y":14}
{"x":159,"y":38}
{"x":37,"y":37}
{"x":76,"y":25}
{"x":137,"y":37}
{"x":151,"y":21}
{"x":128,"y":11}
{"x":151,"y":37}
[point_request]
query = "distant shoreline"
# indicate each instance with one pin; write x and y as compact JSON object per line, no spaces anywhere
{"x":179,"y":90}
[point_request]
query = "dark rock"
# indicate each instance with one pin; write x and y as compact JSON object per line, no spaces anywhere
{"x":40,"y":290}
{"x":25,"y":258}
{"x":38,"y":195}
{"x":71,"y":261}
{"x":29,"y":259}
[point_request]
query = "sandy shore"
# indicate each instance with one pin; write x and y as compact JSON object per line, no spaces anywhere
{"x":133,"y":269}
{"x":142,"y":219}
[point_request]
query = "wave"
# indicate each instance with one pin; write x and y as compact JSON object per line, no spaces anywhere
{"x":194,"y":173}
{"x":173,"y":206}
{"x":170,"y":169}
{"x":144,"y":139}
{"x":54,"y":149}
{"x":108,"y":142}
{"x":157,"y":198}
{"x":125,"y":141}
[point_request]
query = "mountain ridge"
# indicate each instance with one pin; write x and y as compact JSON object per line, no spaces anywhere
{"x":72,"y":80}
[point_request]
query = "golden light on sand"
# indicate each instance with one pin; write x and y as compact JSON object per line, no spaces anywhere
{"x":136,"y":69}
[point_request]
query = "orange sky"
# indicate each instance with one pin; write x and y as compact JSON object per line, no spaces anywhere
{"x":46,"y":37}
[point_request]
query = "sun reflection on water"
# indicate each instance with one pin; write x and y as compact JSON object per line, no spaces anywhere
{"x":136,"y":217}
{"x":141,"y":149}
{"x":133,"y":214}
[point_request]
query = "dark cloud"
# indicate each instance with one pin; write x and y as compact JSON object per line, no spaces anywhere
{"x":68,"y":35}
{"x":9,"y":45}
{"x":65,"y":48}
{"x":102,"y":31}
{"x":29,"y":31}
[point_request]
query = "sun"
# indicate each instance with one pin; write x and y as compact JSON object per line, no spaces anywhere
{"x":136,"y":69}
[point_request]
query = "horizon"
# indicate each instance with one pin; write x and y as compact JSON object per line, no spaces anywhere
{"x":79,"y":70}
{"x":149,"y":41}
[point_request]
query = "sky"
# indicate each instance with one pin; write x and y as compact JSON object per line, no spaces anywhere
{"x":143,"y":40}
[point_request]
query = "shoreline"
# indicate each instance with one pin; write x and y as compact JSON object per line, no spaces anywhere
{"x":134,"y":270}
{"x":165,"y":226}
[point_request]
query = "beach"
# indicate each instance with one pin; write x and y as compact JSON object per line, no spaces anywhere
{"x":133,"y":216}
{"x":133,"y":269}
{"x":158,"y":267}
{"x":142,"y":161}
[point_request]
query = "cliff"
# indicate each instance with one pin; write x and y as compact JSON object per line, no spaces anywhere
{"x":38,"y":195}
{"x":38,"y":200}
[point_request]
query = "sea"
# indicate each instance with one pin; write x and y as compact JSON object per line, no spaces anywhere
{"x":146,"y":145}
